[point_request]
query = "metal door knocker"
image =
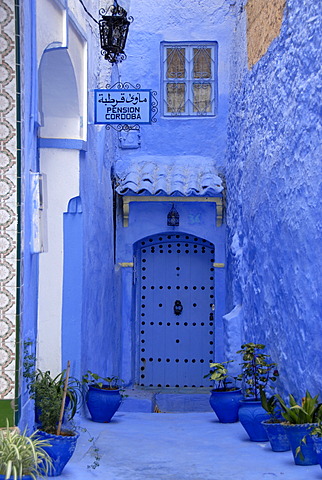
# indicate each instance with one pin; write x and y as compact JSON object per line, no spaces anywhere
{"x":177,"y":307}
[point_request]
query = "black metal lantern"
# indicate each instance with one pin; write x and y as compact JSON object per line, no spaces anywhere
{"x":173,"y":217}
{"x":113,"y":32}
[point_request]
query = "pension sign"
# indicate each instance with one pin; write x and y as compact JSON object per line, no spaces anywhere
{"x":122,"y":106}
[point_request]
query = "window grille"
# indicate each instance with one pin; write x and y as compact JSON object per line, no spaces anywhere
{"x":189,"y":79}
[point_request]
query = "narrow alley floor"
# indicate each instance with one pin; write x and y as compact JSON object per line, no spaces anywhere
{"x":178,"y":446}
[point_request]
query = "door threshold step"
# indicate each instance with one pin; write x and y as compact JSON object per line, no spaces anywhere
{"x":166,"y":400}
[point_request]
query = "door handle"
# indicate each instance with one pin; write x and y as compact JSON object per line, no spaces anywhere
{"x":177,"y":308}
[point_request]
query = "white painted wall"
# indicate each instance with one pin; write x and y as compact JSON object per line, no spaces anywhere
{"x":62,"y":170}
{"x":51,"y":25}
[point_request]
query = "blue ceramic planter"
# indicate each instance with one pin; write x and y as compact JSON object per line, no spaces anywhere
{"x":61,"y":450}
{"x":226,"y":405}
{"x":277,"y":436}
{"x":102,"y":404}
{"x":318,"y":448}
{"x":295,"y":434}
{"x":251,"y":415}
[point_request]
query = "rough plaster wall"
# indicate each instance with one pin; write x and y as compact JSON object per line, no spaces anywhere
{"x":178,"y":21}
{"x":274,"y":195}
{"x":98,"y":324}
{"x":264,"y":20}
{"x":101,"y":334}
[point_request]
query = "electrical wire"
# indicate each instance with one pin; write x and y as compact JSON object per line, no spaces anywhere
{"x":88,"y":13}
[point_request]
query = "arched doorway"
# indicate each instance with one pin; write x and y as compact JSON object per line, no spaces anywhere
{"x":174,"y":310}
{"x":59,"y":103}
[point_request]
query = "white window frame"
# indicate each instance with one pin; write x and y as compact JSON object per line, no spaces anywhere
{"x":189,"y":80}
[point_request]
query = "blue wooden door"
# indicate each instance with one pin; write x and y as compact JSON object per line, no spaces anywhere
{"x":175,"y":300}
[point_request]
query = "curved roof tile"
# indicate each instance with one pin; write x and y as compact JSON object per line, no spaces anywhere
{"x":176,"y":176}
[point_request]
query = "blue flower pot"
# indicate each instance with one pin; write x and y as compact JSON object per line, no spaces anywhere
{"x":102,"y":403}
{"x":251,"y":415}
{"x":318,"y":448}
{"x":226,"y":404}
{"x":277,"y":436}
{"x":295,"y":434}
{"x":60,"y":451}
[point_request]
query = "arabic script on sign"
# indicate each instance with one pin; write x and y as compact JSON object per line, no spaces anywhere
{"x":122,"y":106}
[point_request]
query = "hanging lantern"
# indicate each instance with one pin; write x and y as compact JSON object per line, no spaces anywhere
{"x":173,"y":217}
{"x":113,"y":32}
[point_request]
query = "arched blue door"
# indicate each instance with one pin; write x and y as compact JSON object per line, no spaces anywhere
{"x":175,"y":309}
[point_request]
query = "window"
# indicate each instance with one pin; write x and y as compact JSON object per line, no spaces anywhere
{"x":189,"y":79}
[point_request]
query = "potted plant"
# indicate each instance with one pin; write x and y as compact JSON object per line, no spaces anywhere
{"x":300,"y":420}
{"x":103,"y":396}
{"x":257,"y":374}
{"x":50,"y":397}
{"x":22,"y":456}
{"x":316,"y":434}
{"x":48,"y":392}
{"x":224,"y":398}
{"x":273,"y":426}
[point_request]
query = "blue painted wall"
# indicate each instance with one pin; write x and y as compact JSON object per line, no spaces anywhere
{"x":73,"y":287}
{"x":101,"y":334}
{"x":29,"y":262}
{"x":90,"y":330}
{"x":274,"y":195}
{"x":178,"y":21}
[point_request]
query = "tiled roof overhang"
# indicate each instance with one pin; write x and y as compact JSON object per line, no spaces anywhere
{"x":172,"y":176}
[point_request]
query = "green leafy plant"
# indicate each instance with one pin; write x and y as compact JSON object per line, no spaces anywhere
{"x":48,"y":394}
{"x":317,"y":430}
{"x":48,"y":391}
{"x":308,"y":411}
{"x":257,"y":370}
{"x":271,"y":405}
{"x":106,"y":383}
{"x":219,"y":374}
{"x":94,"y":450}
{"x":21,"y":454}
{"x":29,"y":361}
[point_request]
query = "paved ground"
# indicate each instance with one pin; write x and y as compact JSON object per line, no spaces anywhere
{"x":179,"y":446}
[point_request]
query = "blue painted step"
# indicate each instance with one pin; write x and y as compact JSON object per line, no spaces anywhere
{"x":175,"y":400}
